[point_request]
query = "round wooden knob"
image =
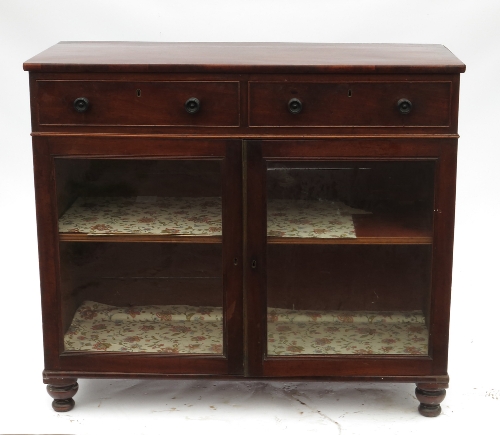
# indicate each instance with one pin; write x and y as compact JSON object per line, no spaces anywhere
{"x":404,"y":106}
{"x":295,"y":106}
{"x":192,"y":105}
{"x":81,"y":104}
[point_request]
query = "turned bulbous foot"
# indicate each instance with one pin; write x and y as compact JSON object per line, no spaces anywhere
{"x":62,"y":391}
{"x":430,"y":397}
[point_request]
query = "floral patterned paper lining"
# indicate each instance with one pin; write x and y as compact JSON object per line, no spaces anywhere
{"x":144,"y":215}
{"x":186,"y":329}
{"x":304,"y":332}
{"x":310,"y":219}
{"x":203,"y":217}
{"x":153,"y":328}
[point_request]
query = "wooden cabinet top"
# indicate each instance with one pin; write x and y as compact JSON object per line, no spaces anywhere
{"x":244,"y":57}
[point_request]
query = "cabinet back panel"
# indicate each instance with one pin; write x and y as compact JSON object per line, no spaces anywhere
{"x":125,"y":274}
{"x":372,"y":185}
{"x":319,"y":277}
{"x":130,"y":178}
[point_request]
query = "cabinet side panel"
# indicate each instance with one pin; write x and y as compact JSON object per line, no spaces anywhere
{"x":444,"y":222}
{"x":47,"y":249}
{"x":33,"y":101}
{"x":454,"y":102}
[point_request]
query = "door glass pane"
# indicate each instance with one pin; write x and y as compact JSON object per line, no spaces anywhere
{"x":349,"y":257}
{"x":140,"y":255}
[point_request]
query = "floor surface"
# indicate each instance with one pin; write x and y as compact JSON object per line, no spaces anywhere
{"x":151,"y":407}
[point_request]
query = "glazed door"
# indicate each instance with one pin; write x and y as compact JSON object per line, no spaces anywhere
{"x":149,"y":244}
{"x":345,"y":242}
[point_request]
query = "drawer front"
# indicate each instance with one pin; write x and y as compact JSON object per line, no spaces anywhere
{"x":359,"y":104}
{"x":115,"y":103}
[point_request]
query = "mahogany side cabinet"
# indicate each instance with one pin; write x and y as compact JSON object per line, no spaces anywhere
{"x":245,"y":210}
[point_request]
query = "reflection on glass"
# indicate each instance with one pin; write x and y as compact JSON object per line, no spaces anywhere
{"x":141,"y":255}
{"x":349,"y":257}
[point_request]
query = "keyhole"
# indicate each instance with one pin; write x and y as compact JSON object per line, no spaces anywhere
{"x":138,"y":92}
{"x":235,"y":261}
{"x":254,"y":264}
{"x":349,"y":93}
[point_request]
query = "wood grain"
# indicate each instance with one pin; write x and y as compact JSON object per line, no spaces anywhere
{"x":244,"y":57}
{"x":350,"y":104}
{"x":350,"y":94}
{"x":121,"y":238}
{"x":161,"y":103}
{"x":372,"y":230}
{"x":373,"y":100}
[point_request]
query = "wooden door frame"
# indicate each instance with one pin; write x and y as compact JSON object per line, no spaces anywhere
{"x":443,"y":152}
{"x":48,"y":147}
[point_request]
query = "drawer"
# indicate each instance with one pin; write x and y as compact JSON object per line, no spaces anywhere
{"x":359,"y":104}
{"x":140,"y":103}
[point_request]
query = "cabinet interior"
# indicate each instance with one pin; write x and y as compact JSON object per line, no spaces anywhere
{"x":131,"y":178}
{"x":381,"y":265}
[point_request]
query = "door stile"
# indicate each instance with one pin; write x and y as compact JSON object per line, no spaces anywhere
{"x":255,"y":263}
{"x":232,"y":215}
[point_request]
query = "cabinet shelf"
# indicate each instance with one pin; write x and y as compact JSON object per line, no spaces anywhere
{"x":169,"y":329}
{"x":126,"y":238}
{"x":372,"y":230}
{"x":198,"y":220}
{"x":143,"y":219}
{"x":183,"y":329}
{"x":323,"y":332}
{"x":333,"y":222}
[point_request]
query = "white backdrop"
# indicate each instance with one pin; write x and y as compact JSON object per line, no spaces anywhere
{"x":470,"y":29}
